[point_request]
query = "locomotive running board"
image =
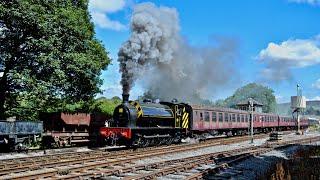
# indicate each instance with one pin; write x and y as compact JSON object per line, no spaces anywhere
{"x":157,"y":136}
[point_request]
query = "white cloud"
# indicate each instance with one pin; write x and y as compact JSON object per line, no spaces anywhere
{"x":293,"y":53}
{"x":112,"y":90}
{"x":296,"y":53}
{"x":101,"y":8}
{"x":316,"y":84}
{"x":103,"y":21}
{"x":106,"y":6}
{"x":312,"y":2}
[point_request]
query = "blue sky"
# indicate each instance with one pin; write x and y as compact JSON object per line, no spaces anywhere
{"x":278,"y":40}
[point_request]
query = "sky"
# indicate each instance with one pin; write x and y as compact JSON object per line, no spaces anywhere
{"x":278,"y":40}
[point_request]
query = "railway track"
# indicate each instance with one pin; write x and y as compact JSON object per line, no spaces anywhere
{"x":183,"y":166}
{"x":94,"y":163}
{"x":7,"y":163}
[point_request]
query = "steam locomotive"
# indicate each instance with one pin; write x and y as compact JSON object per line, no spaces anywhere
{"x":149,"y":123}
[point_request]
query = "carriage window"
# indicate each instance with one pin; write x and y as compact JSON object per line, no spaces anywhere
{"x":201,"y":116}
{"x":238,"y":117}
{"x":226,"y":117}
{"x":233,"y":118}
{"x":206,"y":116}
{"x":220,"y":117}
{"x":214,"y":116}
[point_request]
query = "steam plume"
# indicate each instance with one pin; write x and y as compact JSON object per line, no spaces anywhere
{"x":165,"y":63}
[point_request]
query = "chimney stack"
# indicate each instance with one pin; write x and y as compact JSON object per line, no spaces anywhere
{"x":125,"y":98}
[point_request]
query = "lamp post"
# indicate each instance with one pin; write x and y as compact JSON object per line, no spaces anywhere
{"x":250,"y":103}
{"x":299,"y":94}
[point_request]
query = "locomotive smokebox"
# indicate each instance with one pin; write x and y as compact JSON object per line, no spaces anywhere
{"x":125,"y":98}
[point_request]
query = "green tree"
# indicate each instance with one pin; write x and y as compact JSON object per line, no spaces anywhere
{"x":106,"y":106}
{"x":49,"y":56}
{"x":258,"y":92}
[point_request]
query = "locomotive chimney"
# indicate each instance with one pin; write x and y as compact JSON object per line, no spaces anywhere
{"x":125,"y":98}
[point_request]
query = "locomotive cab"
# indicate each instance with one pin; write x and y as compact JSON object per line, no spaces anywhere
{"x":124,"y":115}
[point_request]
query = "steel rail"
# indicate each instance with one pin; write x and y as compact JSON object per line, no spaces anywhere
{"x":107,"y":157}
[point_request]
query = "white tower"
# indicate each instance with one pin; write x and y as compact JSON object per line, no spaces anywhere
{"x":298,"y":104}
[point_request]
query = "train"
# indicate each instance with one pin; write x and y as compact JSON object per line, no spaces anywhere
{"x":151,"y":123}
{"x":138,"y":124}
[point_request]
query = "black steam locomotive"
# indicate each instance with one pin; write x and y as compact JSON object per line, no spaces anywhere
{"x":147,"y":123}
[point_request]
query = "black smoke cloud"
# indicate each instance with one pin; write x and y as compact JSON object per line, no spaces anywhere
{"x":166,"y":64}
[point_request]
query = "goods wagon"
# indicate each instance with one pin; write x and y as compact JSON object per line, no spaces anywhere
{"x":62,"y":129}
{"x":19,"y":135}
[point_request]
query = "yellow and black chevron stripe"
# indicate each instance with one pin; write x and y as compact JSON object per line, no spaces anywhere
{"x":138,"y":108}
{"x":185,"y":118}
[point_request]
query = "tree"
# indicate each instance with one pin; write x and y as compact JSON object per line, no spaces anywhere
{"x":49,"y":55}
{"x":106,"y":106}
{"x":258,"y":92}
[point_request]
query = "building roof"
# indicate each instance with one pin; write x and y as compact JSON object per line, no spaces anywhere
{"x":246,"y":102}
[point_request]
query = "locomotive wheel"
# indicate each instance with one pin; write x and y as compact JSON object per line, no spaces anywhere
{"x":163,"y":141}
{"x":146,"y":142}
{"x":169,"y":141}
{"x":152,"y":142}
